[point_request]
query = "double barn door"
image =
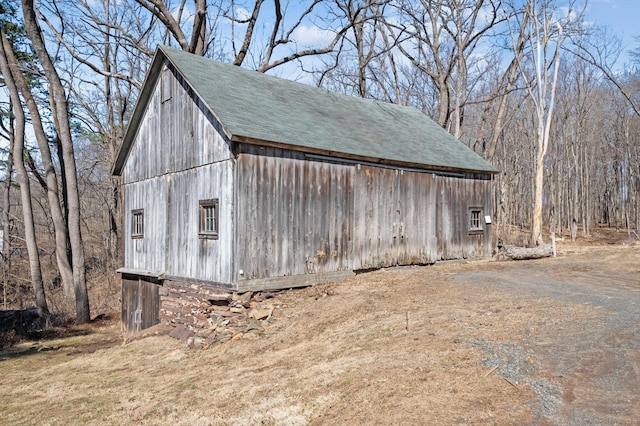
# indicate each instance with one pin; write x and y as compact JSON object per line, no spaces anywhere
{"x":394,"y":218}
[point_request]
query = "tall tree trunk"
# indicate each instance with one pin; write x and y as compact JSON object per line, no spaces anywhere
{"x":538,"y":187}
{"x":113,"y":137}
{"x":23,"y":180}
{"x":61,"y":122}
{"x":575,"y":200}
{"x":542,"y":93}
{"x":52,"y":188}
{"x":509,"y":79}
{"x":358,"y":33}
{"x":443,"y":103}
{"x":6,"y":226}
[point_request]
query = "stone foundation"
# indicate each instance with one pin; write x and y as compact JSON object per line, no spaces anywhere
{"x":202,"y":314}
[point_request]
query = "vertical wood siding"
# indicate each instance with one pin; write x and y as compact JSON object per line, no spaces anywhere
{"x":291,"y":208}
{"x":416,"y":206}
{"x":455,"y":198}
{"x":174,"y":135}
{"x":187,"y":255}
{"x":281,"y":214}
{"x":148,"y":252}
{"x":179,"y":156}
{"x":140,"y":304}
{"x":395,"y":218}
{"x":294,"y":215}
{"x":375,"y":217}
{"x":171,"y":242}
{"x":130,"y":303}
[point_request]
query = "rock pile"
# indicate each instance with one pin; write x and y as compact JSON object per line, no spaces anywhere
{"x":203,"y":315}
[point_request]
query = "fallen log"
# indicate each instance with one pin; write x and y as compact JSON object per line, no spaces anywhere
{"x":524,"y":253}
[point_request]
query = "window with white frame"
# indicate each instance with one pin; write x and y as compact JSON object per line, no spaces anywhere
{"x":209,"y":219}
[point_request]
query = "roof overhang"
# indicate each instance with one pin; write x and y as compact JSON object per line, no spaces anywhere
{"x":359,"y":159}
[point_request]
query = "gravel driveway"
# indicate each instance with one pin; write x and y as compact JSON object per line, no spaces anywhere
{"x":587,"y":373}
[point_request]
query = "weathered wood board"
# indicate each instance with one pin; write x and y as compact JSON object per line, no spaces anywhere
{"x":456,"y":198}
{"x":294,"y":215}
{"x":140,"y":303}
{"x":176,"y":133}
{"x":394,"y":221}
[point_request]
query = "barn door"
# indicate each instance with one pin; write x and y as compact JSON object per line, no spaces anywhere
{"x":374,"y":215}
{"x":394,"y":218}
{"x":415,"y":232}
{"x":140,"y":303}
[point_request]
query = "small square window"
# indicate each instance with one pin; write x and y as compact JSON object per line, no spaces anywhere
{"x":137,"y":223}
{"x":475,"y":224}
{"x":209,"y":219}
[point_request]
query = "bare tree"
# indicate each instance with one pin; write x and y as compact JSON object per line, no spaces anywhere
{"x":6,"y":216}
{"x":358,"y":65}
{"x":60,"y":113}
{"x":17,"y":143}
{"x":502,"y":91}
{"x":545,"y":38}
{"x":268,"y":51}
{"x":439,"y":38}
{"x":173,"y":24}
{"x":602,"y":49}
{"x":104,"y":69}
{"x":51,"y":185}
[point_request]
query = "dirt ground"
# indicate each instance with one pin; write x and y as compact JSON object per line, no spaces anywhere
{"x":550,"y":341}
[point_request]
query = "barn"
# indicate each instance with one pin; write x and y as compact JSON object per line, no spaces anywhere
{"x":239,"y":181}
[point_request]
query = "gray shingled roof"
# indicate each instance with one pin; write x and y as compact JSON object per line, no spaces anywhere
{"x":260,"y":107}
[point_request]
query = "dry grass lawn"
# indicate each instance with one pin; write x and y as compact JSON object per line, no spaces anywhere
{"x":397,"y":346}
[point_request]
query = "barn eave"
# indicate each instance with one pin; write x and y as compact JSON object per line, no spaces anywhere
{"x":343,"y":157}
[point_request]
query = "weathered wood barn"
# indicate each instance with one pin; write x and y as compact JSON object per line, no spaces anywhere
{"x":244,"y":181}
